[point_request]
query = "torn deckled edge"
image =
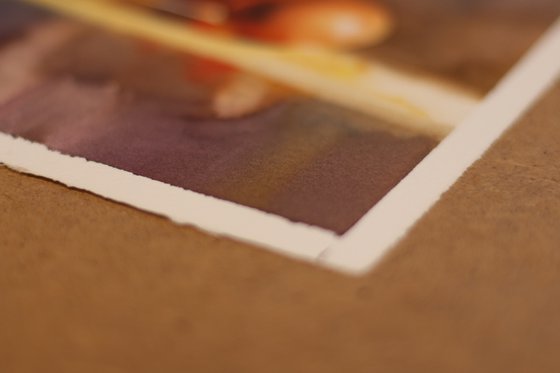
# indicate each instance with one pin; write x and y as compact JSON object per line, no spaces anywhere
{"x":385,"y":224}
{"x":182,"y":206}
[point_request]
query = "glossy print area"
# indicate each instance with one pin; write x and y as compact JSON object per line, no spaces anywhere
{"x":303,"y":160}
{"x":191,"y":123}
{"x":134,"y":106}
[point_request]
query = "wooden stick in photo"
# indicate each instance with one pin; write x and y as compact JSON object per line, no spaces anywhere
{"x":414,"y":102}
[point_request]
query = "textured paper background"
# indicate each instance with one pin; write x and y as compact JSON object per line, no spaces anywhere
{"x":89,"y":285}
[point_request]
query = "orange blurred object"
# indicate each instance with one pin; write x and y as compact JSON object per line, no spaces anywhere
{"x":341,"y":24}
{"x":338,"y":24}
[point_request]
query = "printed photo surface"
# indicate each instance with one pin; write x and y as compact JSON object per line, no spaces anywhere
{"x":210,"y":127}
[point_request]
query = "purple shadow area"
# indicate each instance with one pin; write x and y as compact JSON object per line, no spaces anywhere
{"x":15,"y":17}
{"x":305,"y":160}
